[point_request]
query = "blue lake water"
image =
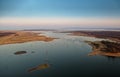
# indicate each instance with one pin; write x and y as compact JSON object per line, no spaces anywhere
{"x":67,"y":56}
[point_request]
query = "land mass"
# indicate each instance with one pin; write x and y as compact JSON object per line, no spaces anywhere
{"x":39,"y":67}
{"x":112,"y":35}
{"x":20,"y":52}
{"x":11,"y":37}
{"x":105,"y":48}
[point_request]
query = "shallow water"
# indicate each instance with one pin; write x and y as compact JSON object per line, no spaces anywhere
{"x":67,"y":57}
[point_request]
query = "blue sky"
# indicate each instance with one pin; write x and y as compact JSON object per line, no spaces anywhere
{"x":59,"y":8}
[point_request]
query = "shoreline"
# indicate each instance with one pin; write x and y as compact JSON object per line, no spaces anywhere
{"x":111,"y":35}
{"x":104,"y":48}
{"x":110,"y":47}
{"x":13,"y":37}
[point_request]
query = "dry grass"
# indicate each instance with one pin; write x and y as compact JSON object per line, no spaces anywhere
{"x":21,"y":37}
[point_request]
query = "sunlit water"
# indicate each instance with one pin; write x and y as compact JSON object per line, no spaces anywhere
{"x":67,"y":56}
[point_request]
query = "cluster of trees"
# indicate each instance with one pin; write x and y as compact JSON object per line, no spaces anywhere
{"x":113,"y":47}
{"x":6,"y":33}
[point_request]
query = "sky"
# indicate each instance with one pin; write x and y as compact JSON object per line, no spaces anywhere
{"x":20,"y":14}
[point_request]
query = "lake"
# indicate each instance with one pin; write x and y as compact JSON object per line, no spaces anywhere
{"x":67,"y":57}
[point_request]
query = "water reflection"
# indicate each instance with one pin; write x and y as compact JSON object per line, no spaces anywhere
{"x":112,"y":58}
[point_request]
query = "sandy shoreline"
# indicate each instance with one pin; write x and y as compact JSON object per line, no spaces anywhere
{"x":12,"y":37}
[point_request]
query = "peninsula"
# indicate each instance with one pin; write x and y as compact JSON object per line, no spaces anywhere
{"x":105,"y":48}
{"x":12,"y":37}
{"x":109,"y":47}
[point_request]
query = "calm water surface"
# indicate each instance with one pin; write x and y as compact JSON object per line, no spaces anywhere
{"x":67,"y":57}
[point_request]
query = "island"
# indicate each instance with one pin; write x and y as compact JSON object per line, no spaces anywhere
{"x":39,"y":67}
{"x":12,"y":37}
{"x":20,"y":52}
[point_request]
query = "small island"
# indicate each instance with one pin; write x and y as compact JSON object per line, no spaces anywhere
{"x":12,"y":37}
{"x":20,"y":52}
{"x":105,"y":48}
{"x":39,"y":67}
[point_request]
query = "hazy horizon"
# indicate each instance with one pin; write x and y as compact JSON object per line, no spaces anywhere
{"x":32,"y":14}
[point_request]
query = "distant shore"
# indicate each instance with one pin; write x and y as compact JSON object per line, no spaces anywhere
{"x":105,"y":48}
{"x":111,"y":35}
{"x":12,"y":37}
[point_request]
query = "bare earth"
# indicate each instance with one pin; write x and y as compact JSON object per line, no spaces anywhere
{"x":11,"y":37}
